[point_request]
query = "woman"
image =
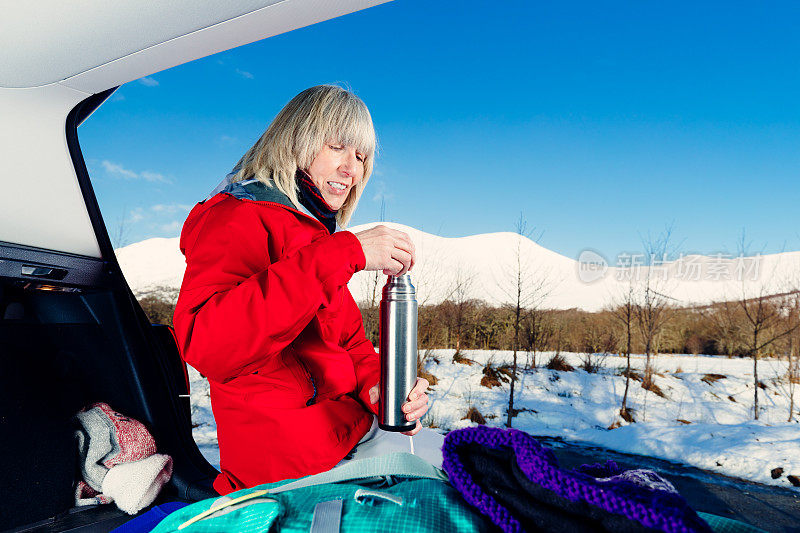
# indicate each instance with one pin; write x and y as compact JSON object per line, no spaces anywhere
{"x":264,"y":311}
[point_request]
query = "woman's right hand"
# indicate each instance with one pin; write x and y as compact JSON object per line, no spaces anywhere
{"x":388,"y":250}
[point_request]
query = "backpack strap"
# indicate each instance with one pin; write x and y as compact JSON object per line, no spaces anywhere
{"x":395,"y":464}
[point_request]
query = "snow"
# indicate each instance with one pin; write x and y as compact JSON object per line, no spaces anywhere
{"x":204,"y":428}
{"x":152,"y":263}
{"x":486,"y":259}
{"x":577,"y":406}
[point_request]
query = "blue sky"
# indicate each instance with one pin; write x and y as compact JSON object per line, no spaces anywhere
{"x":600,"y":122}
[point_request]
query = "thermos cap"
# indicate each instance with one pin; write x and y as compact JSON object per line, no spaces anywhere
{"x":399,"y":288}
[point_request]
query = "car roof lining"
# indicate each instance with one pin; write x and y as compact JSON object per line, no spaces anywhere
{"x":94,"y":33}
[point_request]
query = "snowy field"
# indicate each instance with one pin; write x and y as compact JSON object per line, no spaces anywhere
{"x":204,"y":428}
{"x":704,"y":418}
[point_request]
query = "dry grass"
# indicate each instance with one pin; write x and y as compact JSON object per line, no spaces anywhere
{"x":635,"y":376}
{"x":652,"y":387}
{"x":649,"y":383}
{"x":458,"y":357}
{"x":589,"y":366}
{"x":712,"y":378}
{"x":559,"y":362}
{"x":423,"y":373}
{"x":473,"y":415}
{"x":515,"y":412}
{"x":627,"y":415}
{"x":430,"y":420}
{"x":495,"y":376}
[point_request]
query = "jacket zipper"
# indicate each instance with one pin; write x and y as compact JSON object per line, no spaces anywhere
{"x":313,"y":398}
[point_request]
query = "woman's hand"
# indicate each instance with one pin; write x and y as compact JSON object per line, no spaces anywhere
{"x":388,"y":250}
{"x":416,"y":406}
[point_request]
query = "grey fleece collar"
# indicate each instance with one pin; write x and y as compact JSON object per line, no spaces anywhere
{"x":254,"y":189}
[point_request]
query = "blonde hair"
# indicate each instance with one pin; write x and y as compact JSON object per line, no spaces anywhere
{"x":318,"y":115}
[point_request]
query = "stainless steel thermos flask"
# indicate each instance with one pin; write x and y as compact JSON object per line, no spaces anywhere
{"x":398,"y":351}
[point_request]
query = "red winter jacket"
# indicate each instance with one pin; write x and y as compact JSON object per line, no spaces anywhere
{"x":265,"y":314}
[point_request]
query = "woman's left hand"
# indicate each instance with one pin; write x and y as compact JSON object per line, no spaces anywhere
{"x":416,"y":406}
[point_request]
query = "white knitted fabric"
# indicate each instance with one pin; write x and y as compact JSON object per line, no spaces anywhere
{"x":135,"y":485}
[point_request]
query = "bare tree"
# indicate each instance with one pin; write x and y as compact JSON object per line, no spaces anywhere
{"x":764,"y":314}
{"x":789,"y":347}
{"x":372,"y":284}
{"x":765,"y":324}
{"x":537,"y":330}
{"x":653,"y":305}
{"x":625,"y":313}
{"x":725,"y":320}
{"x":793,"y":370}
{"x":460,"y":302}
{"x":518,"y":305}
{"x":121,"y":235}
{"x":525,"y":287}
{"x":652,"y":312}
{"x":597,"y":341}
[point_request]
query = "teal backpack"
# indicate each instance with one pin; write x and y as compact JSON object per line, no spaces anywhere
{"x":396,"y":492}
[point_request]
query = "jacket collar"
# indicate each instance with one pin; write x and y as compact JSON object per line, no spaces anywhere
{"x":254,"y":189}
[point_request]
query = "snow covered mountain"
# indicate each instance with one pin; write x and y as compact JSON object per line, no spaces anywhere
{"x":484,"y":267}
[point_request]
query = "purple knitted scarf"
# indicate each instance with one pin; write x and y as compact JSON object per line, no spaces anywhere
{"x":657,"y":509}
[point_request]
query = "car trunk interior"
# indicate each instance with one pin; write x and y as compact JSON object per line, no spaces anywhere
{"x":63,"y":348}
{"x":71,"y":331}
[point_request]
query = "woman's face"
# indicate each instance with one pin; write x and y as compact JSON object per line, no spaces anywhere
{"x":335,"y":171}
